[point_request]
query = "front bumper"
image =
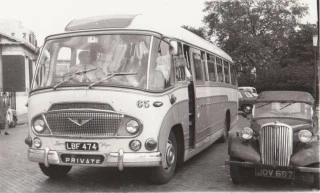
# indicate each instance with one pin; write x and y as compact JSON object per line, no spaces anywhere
{"x":252,"y":165}
{"x":118,"y":159}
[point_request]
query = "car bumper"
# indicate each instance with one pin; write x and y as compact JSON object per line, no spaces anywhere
{"x":118,"y":159}
{"x":252,"y":165}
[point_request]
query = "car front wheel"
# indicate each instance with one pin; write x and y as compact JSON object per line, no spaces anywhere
{"x":55,"y":171}
{"x":235,"y":172}
{"x":161,"y":174}
{"x":316,"y":178}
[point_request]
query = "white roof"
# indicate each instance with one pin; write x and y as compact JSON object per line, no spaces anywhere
{"x":147,"y":23}
{"x":175,"y":31}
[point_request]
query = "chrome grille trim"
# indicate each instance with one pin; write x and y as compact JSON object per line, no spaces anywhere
{"x":100,"y":124}
{"x":80,"y":105}
{"x":276,"y":143}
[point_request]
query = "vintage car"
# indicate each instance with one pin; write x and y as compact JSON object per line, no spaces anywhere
{"x":246,"y":101}
{"x":250,"y":89}
{"x":281,"y":142}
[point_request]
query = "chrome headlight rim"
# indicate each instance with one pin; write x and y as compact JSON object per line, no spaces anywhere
{"x":133,"y":127}
{"x":305,"y":136}
{"x":135,"y":145}
{"x":39,"y":125}
{"x":37,"y":142}
{"x":246,"y":133}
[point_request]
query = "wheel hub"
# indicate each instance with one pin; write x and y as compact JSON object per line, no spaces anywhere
{"x":170,"y":154}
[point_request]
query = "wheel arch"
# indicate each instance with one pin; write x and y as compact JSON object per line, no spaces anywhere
{"x":178,"y":133}
{"x":228,"y":118}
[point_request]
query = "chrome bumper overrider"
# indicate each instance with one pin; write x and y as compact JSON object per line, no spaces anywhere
{"x":118,"y":159}
{"x":251,"y":165}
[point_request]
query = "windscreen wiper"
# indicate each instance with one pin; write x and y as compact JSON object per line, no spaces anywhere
{"x":286,"y":105}
{"x":111,"y":75}
{"x":72,"y":75}
{"x":263,"y":105}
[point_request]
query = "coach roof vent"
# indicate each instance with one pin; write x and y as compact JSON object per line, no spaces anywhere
{"x":100,"y":22}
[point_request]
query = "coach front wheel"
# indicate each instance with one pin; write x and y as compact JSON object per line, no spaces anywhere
{"x":163,"y":174}
{"x":55,"y":171}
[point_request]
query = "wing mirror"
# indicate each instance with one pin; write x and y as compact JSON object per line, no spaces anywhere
{"x":173,"y":47}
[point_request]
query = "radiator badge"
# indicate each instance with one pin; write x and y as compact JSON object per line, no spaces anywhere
{"x":79,"y":122}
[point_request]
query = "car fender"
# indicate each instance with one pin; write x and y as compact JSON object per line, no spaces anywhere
{"x":245,"y":150}
{"x":306,"y":154}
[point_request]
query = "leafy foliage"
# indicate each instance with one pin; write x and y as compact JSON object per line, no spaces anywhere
{"x":198,"y":31}
{"x":265,"y":35}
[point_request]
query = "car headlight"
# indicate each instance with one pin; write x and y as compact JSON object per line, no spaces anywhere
{"x":305,"y":136}
{"x":247,"y":133}
{"x":132,"y":127}
{"x":39,"y":125}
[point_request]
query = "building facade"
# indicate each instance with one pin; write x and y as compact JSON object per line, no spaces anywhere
{"x":18,"y":48}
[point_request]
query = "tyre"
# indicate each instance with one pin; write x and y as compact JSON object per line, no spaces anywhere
{"x":316,"y":178}
{"x":161,"y":174}
{"x":55,"y":171}
{"x":225,"y":134}
{"x":12,"y":124}
{"x":235,"y":172}
{"x":247,"y":109}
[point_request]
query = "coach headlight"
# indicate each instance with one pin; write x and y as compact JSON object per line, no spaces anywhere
{"x":305,"y":136}
{"x":39,"y":126}
{"x":247,"y":133}
{"x":133,"y":127}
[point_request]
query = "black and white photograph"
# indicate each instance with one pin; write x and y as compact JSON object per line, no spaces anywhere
{"x":159,"y":96}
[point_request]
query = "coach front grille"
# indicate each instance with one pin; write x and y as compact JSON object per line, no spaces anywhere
{"x":276,"y":144}
{"x":80,"y":123}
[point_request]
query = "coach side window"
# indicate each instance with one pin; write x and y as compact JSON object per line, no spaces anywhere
{"x":198,"y":66}
{"x":204,"y":65}
{"x":233,"y":74}
{"x":180,"y":64}
{"x":211,"y":67}
{"x":161,"y":66}
{"x":219,"y":70}
{"x":226,"y":72}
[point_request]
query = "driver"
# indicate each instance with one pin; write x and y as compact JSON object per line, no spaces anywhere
{"x":87,"y":62}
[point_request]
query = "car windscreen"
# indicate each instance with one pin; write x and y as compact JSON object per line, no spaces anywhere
{"x":282,"y":109}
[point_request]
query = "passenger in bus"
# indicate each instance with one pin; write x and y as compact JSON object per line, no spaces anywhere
{"x":161,"y":76}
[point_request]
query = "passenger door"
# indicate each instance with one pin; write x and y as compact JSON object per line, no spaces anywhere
{"x":198,"y":72}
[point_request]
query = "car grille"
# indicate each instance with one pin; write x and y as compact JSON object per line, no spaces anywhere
{"x":276,"y":144}
{"x":79,"y":123}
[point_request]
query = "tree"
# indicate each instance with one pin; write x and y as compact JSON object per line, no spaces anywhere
{"x":255,"y":33}
{"x":198,"y":31}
